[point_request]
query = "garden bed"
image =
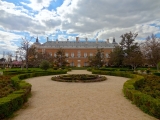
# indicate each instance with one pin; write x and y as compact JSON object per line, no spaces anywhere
{"x":79,"y":78}
{"x":6,"y":86}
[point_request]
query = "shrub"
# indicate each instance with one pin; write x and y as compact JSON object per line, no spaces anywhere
{"x":158,"y":74}
{"x":44,"y":65}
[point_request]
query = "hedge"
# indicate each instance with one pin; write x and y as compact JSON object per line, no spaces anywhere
{"x":15,"y":100}
{"x":157,"y":74}
{"x":145,"y":102}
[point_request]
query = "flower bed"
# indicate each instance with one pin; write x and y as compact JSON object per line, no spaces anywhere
{"x":6,"y":86}
{"x":79,"y":78}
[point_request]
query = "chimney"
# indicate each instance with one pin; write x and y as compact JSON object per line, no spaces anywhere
{"x":47,"y":39}
{"x":96,"y":40}
{"x":57,"y":41}
{"x":114,"y":40}
{"x":86,"y":40}
{"x":67,"y":40}
{"x":77,"y":39}
{"x":107,"y":41}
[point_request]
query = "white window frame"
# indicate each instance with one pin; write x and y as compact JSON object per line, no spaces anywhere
{"x":107,"y":55}
{"x":72,"y":55}
{"x":85,"y":55}
{"x":43,"y":50}
{"x":66,"y":54}
{"x":91,"y":54}
{"x":55,"y":55}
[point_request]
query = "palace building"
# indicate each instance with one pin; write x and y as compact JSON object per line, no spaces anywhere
{"x":77,"y":52}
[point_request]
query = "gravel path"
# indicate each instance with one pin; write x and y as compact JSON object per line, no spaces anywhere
{"x":53,"y":100}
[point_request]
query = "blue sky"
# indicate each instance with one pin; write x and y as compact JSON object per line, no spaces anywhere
{"x":66,"y":19}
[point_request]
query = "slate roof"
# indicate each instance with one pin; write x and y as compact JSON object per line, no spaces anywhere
{"x":80,"y":44}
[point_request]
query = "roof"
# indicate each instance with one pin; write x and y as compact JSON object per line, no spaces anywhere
{"x":77,"y":44}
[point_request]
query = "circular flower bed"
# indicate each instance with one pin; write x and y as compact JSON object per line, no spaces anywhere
{"x":79,"y":78}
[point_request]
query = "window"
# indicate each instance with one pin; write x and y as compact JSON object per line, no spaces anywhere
{"x":72,"y":64}
{"x":79,"y":54}
{"x":85,"y":55}
{"x":72,"y":55}
{"x":66,"y":54}
{"x":43,"y":50}
{"x":85,"y":64}
{"x":50,"y":54}
{"x":55,"y":55}
{"x":91,"y":54}
{"x":107,"y":56}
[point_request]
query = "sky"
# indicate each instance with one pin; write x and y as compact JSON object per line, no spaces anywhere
{"x":67,"y":19}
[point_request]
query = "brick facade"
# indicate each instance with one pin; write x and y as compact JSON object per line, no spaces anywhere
{"x":77,"y":52}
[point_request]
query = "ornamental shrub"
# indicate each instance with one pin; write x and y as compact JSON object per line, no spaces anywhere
{"x":44,"y":65}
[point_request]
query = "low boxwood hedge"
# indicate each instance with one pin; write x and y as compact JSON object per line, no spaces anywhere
{"x":15,"y":100}
{"x":157,"y":74}
{"x":145,"y":102}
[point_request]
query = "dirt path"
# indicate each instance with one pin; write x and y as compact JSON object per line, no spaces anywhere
{"x":79,"y":101}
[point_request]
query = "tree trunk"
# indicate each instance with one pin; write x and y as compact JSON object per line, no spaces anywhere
{"x":157,"y":67}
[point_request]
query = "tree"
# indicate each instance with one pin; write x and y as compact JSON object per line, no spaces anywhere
{"x":23,"y":50}
{"x":98,"y":60}
{"x":134,"y":59}
{"x":9,"y":60}
{"x":116,"y":56}
{"x":131,"y":50}
{"x":60,"y":58}
{"x":151,"y":50}
{"x":35,"y":58}
{"x":44,"y":65}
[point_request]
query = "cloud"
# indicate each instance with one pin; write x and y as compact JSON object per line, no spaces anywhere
{"x":143,"y":31}
{"x":92,"y":16}
{"x":7,"y":41}
{"x":19,"y":19}
{"x":38,"y":5}
{"x":100,"y":19}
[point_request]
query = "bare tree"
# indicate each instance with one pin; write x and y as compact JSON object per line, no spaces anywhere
{"x":23,"y":50}
{"x":151,"y":50}
{"x":9,"y":60}
{"x":60,"y":58}
{"x":4,"y":60}
{"x":35,"y":58}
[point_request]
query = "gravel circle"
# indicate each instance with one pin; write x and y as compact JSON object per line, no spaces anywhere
{"x":53,"y":100}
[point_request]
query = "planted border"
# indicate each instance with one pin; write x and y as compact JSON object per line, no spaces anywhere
{"x":145,"y":102}
{"x":15,"y":100}
{"x":78,"y":78}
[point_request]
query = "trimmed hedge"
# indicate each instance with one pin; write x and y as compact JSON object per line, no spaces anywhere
{"x":157,"y":74}
{"x":15,"y":100}
{"x":145,"y":102}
